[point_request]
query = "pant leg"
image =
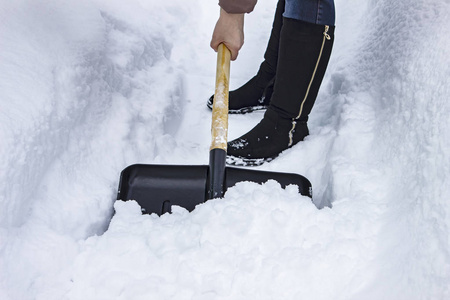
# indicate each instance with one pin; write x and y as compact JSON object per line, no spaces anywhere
{"x":319,"y":12}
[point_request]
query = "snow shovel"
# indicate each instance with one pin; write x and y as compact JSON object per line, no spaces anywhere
{"x":156,"y":188}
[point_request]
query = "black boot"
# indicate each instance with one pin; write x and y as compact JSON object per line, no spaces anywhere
{"x":256,"y":93}
{"x":303,"y":58}
{"x":265,"y":141}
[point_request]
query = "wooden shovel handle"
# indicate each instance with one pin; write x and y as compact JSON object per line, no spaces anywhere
{"x":219,"y":127}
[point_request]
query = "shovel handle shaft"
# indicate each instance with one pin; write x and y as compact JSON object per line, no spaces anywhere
{"x":219,"y":128}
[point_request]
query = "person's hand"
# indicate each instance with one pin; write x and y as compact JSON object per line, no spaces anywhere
{"x":230,"y":31}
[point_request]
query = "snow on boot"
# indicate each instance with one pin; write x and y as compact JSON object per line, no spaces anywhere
{"x":266,"y":140}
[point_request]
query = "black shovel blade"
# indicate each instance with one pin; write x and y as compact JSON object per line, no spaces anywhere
{"x":157,"y":187}
{"x":235,"y":175}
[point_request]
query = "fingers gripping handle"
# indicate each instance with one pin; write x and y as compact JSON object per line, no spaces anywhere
{"x":219,"y":128}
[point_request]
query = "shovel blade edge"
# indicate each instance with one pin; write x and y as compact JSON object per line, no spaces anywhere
{"x":157,"y":187}
{"x":235,"y":175}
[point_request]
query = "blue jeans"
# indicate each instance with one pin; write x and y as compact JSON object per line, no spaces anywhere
{"x":312,"y":11}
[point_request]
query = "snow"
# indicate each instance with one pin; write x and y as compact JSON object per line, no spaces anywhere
{"x":90,"y":87}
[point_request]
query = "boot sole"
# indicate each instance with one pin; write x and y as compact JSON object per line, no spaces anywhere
{"x":247,"y":162}
{"x":243,"y":110}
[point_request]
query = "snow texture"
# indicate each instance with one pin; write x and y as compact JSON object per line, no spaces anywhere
{"x":89,"y":87}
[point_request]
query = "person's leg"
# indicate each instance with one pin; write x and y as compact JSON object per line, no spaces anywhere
{"x":255,"y":94}
{"x":303,"y":56}
{"x":320,"y":12}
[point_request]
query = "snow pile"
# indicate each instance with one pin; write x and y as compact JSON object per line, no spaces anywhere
{"x":90,"y":87}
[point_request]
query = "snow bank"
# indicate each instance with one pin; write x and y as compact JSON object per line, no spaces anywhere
{"x":76,"y":83}
{"x":78,"y":109}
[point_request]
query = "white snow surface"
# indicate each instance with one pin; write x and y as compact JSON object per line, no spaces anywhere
{"x":89,"y":87}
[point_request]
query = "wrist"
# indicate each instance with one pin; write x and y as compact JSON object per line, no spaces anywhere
{"x":230,"y":17}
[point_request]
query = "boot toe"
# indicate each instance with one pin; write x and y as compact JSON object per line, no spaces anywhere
{"x":266,"y":140}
